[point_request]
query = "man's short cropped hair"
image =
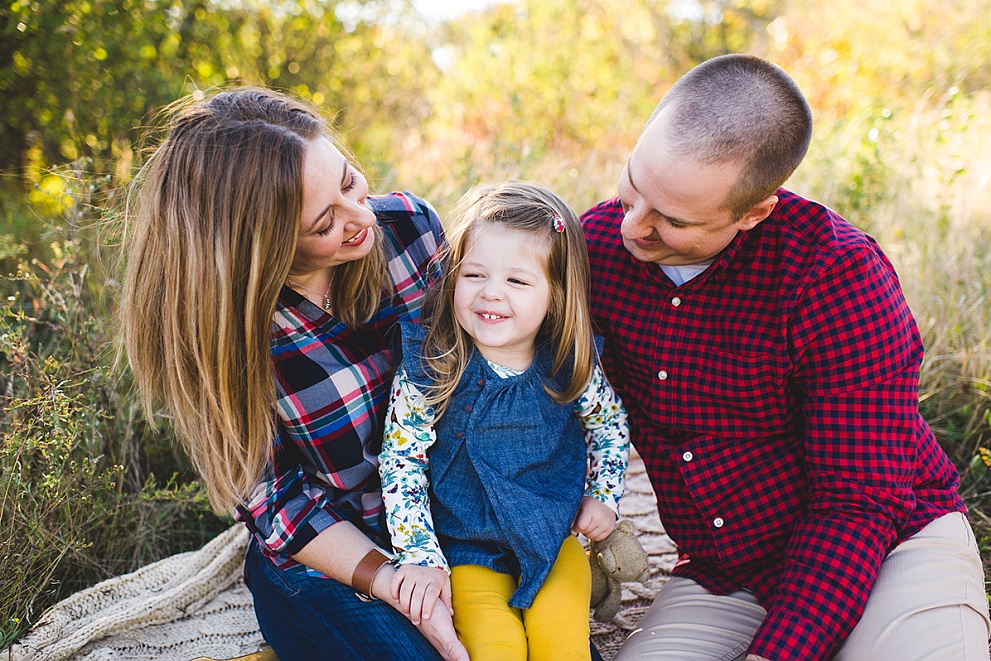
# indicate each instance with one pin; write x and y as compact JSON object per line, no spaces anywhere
{"x":740,"y":109}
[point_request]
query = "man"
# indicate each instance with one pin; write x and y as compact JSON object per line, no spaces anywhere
{"x":770,"y":366}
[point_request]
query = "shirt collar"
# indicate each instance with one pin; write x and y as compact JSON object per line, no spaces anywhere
{"x":729,"y":254}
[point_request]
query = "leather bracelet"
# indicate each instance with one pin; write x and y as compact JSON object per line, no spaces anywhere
{"x":365,"y":572}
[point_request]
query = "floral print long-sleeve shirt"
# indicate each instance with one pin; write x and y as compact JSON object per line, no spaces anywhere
{"x":409,"y":434}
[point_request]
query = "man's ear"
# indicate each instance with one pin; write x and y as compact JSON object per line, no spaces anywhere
{"x":757,"y":213}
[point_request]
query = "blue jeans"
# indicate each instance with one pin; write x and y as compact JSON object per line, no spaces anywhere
{"x":303,"y":617}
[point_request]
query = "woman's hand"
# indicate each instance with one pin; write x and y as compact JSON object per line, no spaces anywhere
{"x":594,"y":520}
{"x":439,"y":632}
{"x":338,"y":549}
{"x":417,"y":589}
{"x":438,"y":627}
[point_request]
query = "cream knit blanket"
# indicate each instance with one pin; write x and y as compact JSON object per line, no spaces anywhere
{"x":195,"y":604}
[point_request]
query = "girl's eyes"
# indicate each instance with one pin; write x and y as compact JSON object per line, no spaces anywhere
{"x":327,"y":231}
{"x":478,"y":276}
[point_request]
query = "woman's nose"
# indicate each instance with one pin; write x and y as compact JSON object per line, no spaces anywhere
{"x":362,"y":217}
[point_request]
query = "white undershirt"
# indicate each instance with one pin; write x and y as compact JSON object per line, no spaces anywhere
{"x":681,"y":274}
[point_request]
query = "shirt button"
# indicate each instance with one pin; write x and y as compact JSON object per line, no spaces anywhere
{"x":676,"y":301}
{"x":662,"y":375}
{"x":481,"y":382}
{"x":467,"y":407}
{"x":688,"y":456}
{"x":718,"y":522}
{"x":460,"y":435}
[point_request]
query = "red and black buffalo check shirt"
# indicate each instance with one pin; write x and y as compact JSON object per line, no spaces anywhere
{"x":774,"y":399}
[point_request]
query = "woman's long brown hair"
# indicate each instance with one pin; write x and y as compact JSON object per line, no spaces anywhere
{"x":212,"y":227}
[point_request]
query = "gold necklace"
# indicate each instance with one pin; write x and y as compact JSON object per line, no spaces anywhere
{"x":326,"y":295}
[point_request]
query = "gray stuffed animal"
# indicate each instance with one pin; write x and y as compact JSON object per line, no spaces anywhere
{"x":616,"y":559}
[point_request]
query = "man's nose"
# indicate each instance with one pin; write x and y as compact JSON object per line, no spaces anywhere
{"x":632,"y":226}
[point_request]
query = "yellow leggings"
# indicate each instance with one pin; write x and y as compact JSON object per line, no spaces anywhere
{"x":555,"y":627}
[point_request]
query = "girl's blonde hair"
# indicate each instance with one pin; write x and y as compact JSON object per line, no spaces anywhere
{"x":212,"y":223}
{"x":566,"y":329}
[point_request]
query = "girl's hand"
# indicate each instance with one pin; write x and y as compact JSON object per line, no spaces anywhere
{"x":595,"y":520}
{"x":417,"y":589}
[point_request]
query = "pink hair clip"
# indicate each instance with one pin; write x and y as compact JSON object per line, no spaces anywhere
{"x":558,"y":223}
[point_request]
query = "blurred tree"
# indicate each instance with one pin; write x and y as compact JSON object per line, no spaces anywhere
{"x":568,"y":81}
{"x":78,"y":77}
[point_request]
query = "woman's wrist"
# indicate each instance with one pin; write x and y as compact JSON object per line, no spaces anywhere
{"x":382,"y":582}
{"x":366,"y":571}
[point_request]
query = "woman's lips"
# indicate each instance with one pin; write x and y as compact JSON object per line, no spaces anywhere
{"x":357,"y":239}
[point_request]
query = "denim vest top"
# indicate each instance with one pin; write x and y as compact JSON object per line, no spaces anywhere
{"x":507,"y":471}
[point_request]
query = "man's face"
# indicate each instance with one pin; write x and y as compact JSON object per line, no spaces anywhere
{"x":675,"y":207}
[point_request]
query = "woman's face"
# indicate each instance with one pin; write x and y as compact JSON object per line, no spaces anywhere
{"x":336,"y":223}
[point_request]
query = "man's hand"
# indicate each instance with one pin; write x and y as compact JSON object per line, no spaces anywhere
{"x":594,"y":520}
{"x":417,"y":589}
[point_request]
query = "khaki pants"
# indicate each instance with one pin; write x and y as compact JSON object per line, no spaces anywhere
{"x":928,"y":603}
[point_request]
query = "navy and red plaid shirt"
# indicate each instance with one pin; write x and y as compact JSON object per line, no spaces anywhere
{"x":333,"y":385}
{"x":774,"y":400}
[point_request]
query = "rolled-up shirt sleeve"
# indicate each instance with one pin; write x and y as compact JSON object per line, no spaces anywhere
{"x":287,"y":513}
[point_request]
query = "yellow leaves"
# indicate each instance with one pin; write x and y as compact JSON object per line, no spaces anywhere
{"x":169,"y":46}
{"x":204,"y":69}
{"x":985,"y":455}
{"x":778,"y":29}
{"x":635,"y":26}
{"x":52,"y":194}
{"x":22,"y":65}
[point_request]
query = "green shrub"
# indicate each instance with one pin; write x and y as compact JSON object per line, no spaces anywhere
{"x":86,"y":490}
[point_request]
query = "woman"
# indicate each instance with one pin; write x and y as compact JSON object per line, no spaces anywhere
{"x":262,"y":291}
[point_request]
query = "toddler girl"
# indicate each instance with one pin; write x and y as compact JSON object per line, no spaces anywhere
{"x":502,"y":435}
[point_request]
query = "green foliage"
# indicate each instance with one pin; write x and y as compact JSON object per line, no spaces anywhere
{"x":80,"y":78}
{"x":78,"y":502}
